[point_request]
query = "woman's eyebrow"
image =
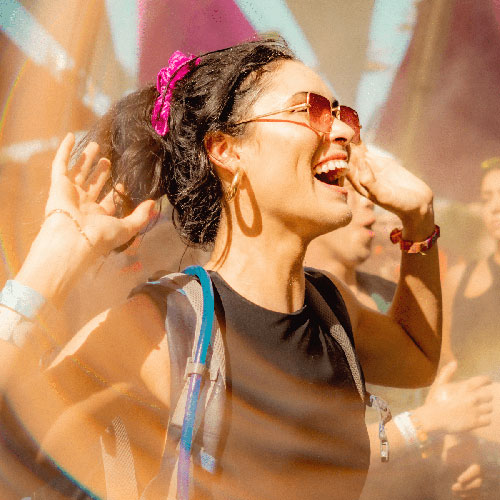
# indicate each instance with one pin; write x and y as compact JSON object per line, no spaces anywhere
{"x":297,"y":98}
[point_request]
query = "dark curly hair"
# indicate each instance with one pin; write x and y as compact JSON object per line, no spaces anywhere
{"x":210,"y":98}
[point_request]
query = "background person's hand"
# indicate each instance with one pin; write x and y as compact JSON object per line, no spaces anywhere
{"x":77,"y":191}
{"x":468,"y":483}
{"x":454,"y":407}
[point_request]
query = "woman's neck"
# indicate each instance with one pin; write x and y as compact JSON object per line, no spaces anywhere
{"x":266,"y":269}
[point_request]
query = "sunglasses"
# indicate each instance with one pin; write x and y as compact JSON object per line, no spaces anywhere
{"x":320,"y":115}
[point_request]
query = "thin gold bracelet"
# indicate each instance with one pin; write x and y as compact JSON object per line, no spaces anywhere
{"x":77,"y":224}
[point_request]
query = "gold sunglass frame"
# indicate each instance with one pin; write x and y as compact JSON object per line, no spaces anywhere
{"x":307,"y":105}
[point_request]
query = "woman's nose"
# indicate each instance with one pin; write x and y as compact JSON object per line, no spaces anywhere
{"x":340,"y":132}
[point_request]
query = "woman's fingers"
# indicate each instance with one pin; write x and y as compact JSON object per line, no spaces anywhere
{"x":484,"y":398}
{"x":108,"y":203}
{"x":80,"y":170}
{"x":97,"y":179}
{"x":61,"y":159}
{"x":139,"y":217}
{"x":483,"y":420}
{"x":353,"y":178}
{"x":468,"y":482}
{"x":472,"y":472}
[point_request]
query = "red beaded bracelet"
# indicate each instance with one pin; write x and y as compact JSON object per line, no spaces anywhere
{"x":414,"y":246}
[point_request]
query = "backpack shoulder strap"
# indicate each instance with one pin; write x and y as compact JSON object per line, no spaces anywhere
{"x":335,"y":315}
{"x":331,"y":312}
{"x":184,"y":297}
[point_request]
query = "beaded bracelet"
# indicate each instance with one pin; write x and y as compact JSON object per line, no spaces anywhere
{"x":423,"y":438}
{"x":77,"y":224}
{"x":410,"y":246}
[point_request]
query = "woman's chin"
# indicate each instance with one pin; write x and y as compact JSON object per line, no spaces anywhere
{"x":328,"y":224}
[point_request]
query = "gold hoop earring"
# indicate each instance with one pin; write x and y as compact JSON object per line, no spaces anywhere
{"x":231,"y":192}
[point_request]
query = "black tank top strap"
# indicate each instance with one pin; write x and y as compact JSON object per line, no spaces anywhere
{"x":332,"y":296}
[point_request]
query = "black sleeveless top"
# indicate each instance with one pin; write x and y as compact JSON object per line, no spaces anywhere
{"x":475,"y":329}
{"x":296,"y":425}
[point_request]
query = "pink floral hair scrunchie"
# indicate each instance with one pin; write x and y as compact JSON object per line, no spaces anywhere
{"x":176,"y":70}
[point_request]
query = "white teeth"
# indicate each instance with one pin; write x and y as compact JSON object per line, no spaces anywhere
{"x":331,"y":165}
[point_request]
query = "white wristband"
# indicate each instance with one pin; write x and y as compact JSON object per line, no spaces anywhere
{"x":14,"y":327}
{"x":21,"y":298}
{"x":406,"y":428}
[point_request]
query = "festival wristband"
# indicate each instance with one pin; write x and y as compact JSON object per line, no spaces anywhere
{"x":409,"y":246}
{"x":406,"y":428}
{"x":22,"y":299}
{"x":412,"y":432}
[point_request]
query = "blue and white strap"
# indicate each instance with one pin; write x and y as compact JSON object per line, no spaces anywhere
{"x":195,"y":371}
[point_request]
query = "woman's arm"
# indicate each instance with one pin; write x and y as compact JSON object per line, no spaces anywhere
{"x":116,"y":367}
{"x":401,"y":349}
{"x":79,"y":229}
{"x":106,"y":369}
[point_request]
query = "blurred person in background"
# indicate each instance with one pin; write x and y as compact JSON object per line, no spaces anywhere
{"x":422,"y":441}
{"x":472,"y":322}
{"x":472,"y":319}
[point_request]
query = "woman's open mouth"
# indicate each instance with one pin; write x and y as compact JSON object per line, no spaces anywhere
{"x":332,"y":172}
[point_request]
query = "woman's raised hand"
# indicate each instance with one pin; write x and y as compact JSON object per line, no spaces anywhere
{"x":76,"y":192}
{"x":388,"y":184}
{"x":78,"y":229}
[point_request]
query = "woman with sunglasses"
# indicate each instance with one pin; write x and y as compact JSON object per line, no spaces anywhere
{"x":251,"y":150}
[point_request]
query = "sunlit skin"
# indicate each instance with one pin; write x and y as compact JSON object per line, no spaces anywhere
{"x":343,"y":250}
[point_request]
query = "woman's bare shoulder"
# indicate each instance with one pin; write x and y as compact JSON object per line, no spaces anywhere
{"x":124,"y":344}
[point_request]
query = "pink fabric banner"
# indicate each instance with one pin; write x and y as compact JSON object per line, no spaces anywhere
{"x":188,"y":25}
{"x":460,"y":122}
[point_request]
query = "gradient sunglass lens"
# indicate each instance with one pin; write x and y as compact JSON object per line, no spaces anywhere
{"x":350,"y":117}
{"x":320,"y":113}
{"x":321,"y":118}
